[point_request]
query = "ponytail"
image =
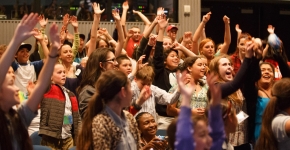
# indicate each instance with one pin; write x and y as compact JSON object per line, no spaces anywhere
{"x":267,"y":139}
{"x":95,"y":106}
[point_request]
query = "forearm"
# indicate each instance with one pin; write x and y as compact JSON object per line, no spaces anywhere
{"x":76,"y":44}
{"x":149,"y":30}
{"x":8,"y":57}
{"x":228,"y":88}
{"x":120,"y":45}
{"x":187,"y":52}
{"x":144,"y":18}
{"x":93,"y":39}
{"x":217,"y":125}
{"x":44,"y":49}
{"x":196,"y":37}
{"x":183,"y":138}
{"x":227,"y":39}
{"x":124,"y":16}
{"x":141,"y":47}
{"x":172,"y":110}
{"x":43,"y":80}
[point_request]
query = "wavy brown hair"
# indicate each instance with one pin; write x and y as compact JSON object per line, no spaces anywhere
{"x":278,"y":102}
{"x":93,"y":70}
{"x":107,"y":87}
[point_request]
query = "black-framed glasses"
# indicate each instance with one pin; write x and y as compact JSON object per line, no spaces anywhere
{"x":111,"y":60}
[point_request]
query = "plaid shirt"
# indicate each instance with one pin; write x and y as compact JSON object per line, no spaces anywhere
{"x":236,"y":62}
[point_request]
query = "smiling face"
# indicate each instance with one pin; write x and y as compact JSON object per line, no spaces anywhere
{"x":136,"y":34}
{"x":110,"y":62}
{"x":172,"y":60}
{"x":267,"y":74}
{"x":58,"y":75}
{"x":22,"y":55}
{"x":9,"y":91}
{"x":201,"y":136}
{"x":197,"y":69}
{"x":147,"y":125}
{"x":225,"y":69}
{"x":66,"y":54}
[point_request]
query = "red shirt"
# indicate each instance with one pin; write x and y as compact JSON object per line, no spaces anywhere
{"x":130,"y":46}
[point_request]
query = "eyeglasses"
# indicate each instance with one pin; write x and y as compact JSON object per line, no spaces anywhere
{"x":111,"y":60}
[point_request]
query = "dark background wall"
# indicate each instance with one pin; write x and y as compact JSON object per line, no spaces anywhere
{"x":253,"y":16}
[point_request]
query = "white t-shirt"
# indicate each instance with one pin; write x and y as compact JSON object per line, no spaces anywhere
{"x":278,"y":128}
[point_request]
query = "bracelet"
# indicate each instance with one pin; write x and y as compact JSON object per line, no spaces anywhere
{"x":53,"y":56}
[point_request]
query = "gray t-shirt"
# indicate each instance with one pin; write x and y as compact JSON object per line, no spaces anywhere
{"x":127,"y":140}
{"x":278,"y":128}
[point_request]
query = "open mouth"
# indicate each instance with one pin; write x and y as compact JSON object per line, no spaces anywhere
{"x":266,"y":77}
{"x":228,"y":72}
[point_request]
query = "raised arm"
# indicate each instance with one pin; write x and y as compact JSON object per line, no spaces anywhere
{"x":183,"y":49}
{"x":65,"y":22}
{"x":76,"y":43}
{"x":144,"y":18}
{"x":125,"y":7}
{"x":214,"y":115}
{"x":121,"y":40}
{"x":198,"y":32}
{"x":42,"y":22}
{"x":158,"y":59}
{"x":227,"y":37}
{"x":22,"y":32}
{"x":239,"y":32}
{"x":228,"y":88}
{"x":46,"y":72}
{"x":95,"y":26}
{"x":183,"y":138}
{"x":39,"y":37}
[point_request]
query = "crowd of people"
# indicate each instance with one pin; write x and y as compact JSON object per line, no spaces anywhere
{"x":116,"y":92}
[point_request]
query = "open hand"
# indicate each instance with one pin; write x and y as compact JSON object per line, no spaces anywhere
{"x":37,"y":35}
{"x":116,"y":15}
{"x":97,"y":9}
{"x":25,"y":28}
{"x":42,"y":21}
{"x":238,"y":28}
{"x":270,"y":29}
{"x":74,"y":21}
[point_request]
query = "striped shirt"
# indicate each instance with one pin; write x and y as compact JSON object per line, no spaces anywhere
{"x":157,"y":96}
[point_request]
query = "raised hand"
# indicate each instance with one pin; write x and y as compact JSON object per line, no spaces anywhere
{"x":74,"y":21}
{"x":258,"y":48}
{"x":270,"y":29}
{"x":65,"y":19}
{"x":42,"y":21}
{"x":125,"y":5}
{"x":30,"y":87}
{"x":145,"y":93}
{"x":54,"y":37}
{"x":37,"y":35}
{"x":140,"y":65}
{"x":103,"y":31}
{"x":226,"y":19}
{"x":160,"y":11}
{"x":130,"y":33}
{"x":178,"y":46}
{"x":206,"y":17}
{"x":249,"y":49}
{"x":215,"y":90}
{"x":116,"y":15}
{"x":24,"y":28}
{"x":135,"y":12}
{"x":97,"y":9}
{"x":187,"y":90}
{"x":238,"y":28}
{"x":152,"y":40}
{"x":187,"y":36}
{"x":162,"y":22}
